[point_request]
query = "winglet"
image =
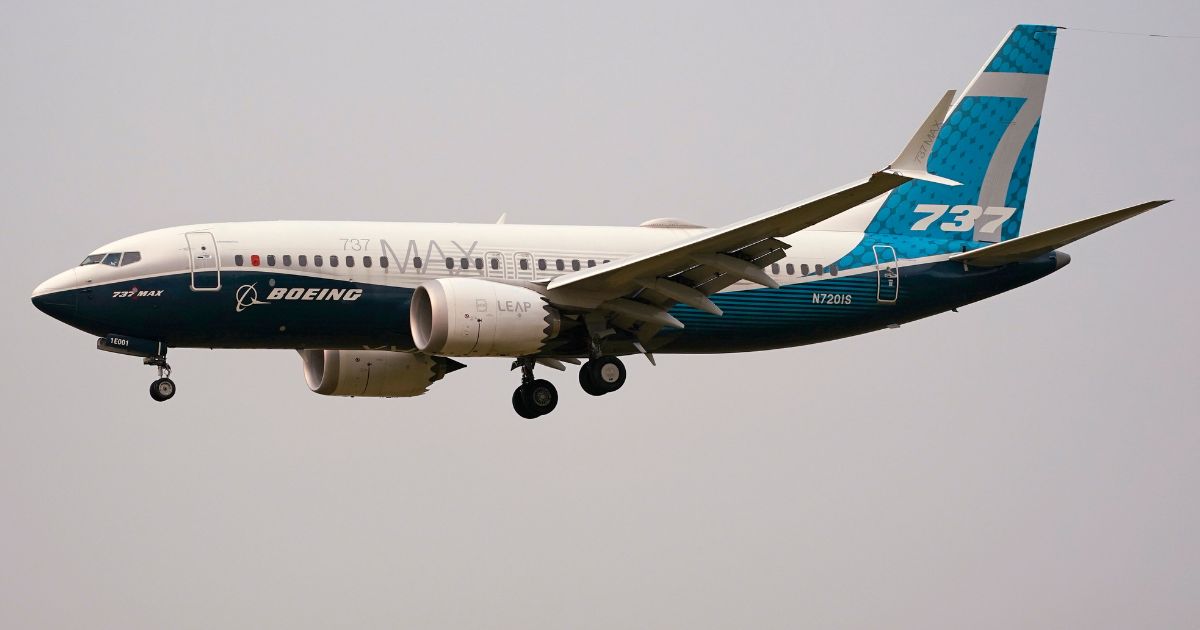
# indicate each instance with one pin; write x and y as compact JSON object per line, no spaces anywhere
{"x":911,"y":162}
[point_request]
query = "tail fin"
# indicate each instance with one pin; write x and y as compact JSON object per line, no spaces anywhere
{"x":987,"y":144}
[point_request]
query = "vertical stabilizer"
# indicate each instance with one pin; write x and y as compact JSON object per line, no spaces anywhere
{"x":986,"y":144}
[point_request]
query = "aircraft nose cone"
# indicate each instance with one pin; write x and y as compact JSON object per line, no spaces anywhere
{"x":55,"y":296}
{"x":60,"y":306}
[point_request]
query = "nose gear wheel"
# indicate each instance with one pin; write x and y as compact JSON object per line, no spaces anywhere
{"x":163,"y":388}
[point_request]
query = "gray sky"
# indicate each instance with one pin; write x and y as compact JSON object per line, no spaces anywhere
{"x":1028,"y":462}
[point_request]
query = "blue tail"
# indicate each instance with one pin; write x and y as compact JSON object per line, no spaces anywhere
{"x":987,"y":144}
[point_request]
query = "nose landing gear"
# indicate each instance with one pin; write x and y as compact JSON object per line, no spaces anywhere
{"x":163,"y":388}
{"x":152,"y":353}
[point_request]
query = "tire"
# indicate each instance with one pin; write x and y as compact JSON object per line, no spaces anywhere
{"x":607,"y":373}
{"x":162,"y":389}
{"x":540,"y":396}
{"x":518,"y":402}
{"x":587,"y":381}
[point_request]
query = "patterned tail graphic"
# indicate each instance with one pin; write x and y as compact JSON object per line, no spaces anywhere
{"x":986,"y":143}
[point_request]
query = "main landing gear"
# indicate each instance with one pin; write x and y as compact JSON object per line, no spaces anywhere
{"x":538,"y":397}
{"x":163,"y":388}
{"x":602,"y":375}
{"x":535,"y":397}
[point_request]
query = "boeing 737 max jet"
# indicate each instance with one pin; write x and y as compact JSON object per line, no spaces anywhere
{"x":381,"y":309}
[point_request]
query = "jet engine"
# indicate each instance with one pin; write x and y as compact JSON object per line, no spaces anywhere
{"x":372,"y":373}
{"x":470,"y":317}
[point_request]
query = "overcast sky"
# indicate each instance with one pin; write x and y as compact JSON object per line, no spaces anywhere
{"x":1031,"y":461}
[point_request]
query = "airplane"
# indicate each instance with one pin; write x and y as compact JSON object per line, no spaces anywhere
{"x":384,"y":309}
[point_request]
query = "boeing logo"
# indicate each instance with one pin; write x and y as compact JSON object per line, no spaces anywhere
{"x":247,"y":295}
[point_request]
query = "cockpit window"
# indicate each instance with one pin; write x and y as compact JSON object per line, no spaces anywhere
{"x":92,"y":260}
{"x":112,"y":260}
{"x":130,"y":257}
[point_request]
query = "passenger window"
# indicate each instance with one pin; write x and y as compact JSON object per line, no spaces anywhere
{"x":318,"y":261}
{"x":367,"y":262}
{"x":130,"y":257}
{"x":417,"y":262}
{"x":523,"y":264}
{"x":383,"y":262}
{"x":254,"y":260}
{"x":574,"y":265}
{"x":833,"y":270}
{"x":820,"y":270}
{"x":495,"y":263}
{"x":349,"y":261}
{"x":333,"y":260}
{"x":287,"y":260}
{"x":804,"y":269}
{"x":479,"y":263}
{"x":449,"y":263}
{"x":91,"y":260}
{"x":591,"y":263}
{"x":238,"y":260}
{"x":303,"y":260}
{"x":791,"y":269}
{"x":465,"y":263}
{"x":541,"y":264}
{"x":270,"y":260}
{"x":558,"y":264}
{"x":112,"y":260}
{"x":775,"y":268}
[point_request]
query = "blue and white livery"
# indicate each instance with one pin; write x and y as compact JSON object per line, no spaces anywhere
{"x":384,"y":309}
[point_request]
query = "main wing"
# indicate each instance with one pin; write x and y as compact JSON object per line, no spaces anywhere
{"x":635,"y":294}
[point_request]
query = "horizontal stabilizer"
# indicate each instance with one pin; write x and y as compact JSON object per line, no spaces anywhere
{"x":1033,"y":245}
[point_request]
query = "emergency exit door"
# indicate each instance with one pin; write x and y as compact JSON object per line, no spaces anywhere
{"x":887,"y":273}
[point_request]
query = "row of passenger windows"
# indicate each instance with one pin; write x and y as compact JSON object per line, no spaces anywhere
{"x":302,"y":260}
{"x":119,"y":259}
{"x":318,"y":260}
{"x":114,"y":259}
{"x":820,"y":270}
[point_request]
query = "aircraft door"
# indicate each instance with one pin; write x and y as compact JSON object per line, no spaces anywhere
{"x":493,"y":265}
{"x":523,"y":266}
{"x":203,"y":261}
{"x":887,"y":271}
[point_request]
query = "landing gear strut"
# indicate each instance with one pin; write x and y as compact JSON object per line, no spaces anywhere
{"x":535,"y":397}
{"x":163,"y":388}
{"x":602,"y":375}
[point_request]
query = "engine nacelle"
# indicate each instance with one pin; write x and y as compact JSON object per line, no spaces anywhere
{"x":470,"y":317}
{"x":372,"y":373}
